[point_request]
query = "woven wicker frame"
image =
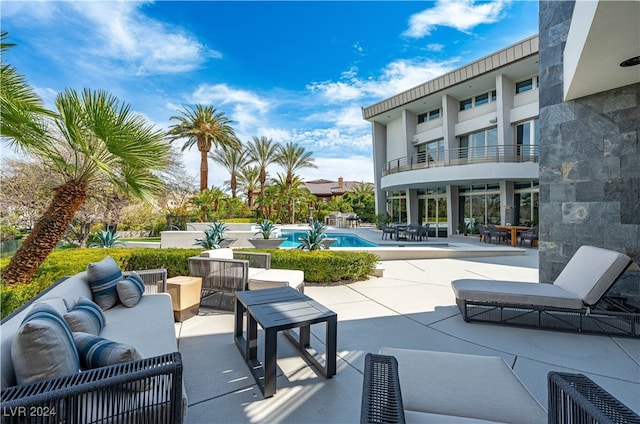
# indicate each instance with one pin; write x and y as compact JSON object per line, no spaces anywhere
{"x":574,"y":398}
{"x":381,"y":396}
{"x":144,"y":391}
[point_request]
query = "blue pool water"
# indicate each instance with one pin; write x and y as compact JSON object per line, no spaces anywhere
{"x":343,"y":240}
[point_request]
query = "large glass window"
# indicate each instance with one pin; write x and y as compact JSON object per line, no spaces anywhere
{"x":436,"y":150}
{"x":480,"y":203}
{"x":526,"y":203}
{"x":482,"y":144}
{"x":429,"y":116}
{"x":527,"y":139}
{"x":397,"y":206}
{"x":527,"y":85}
{"x":482,"y":99}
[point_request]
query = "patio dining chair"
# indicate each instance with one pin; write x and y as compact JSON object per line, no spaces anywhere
{"x":387,"y":230}
{"x":414,"y":232}
{"x":576,"y":301}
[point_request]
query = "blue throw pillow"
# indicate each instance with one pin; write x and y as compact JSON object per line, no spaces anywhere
{"x":86,"y":316}
{"x":95,"y":351}
{"x":130,"y":290}
{"x":103,"y":279}
{"x":43,"y":346}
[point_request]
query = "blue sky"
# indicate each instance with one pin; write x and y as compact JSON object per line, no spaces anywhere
{"x":293,"y":71}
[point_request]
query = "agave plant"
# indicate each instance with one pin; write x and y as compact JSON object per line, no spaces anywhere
{"x":106,"y":239}
{"x":314,"y":237}
{"x":265,"y":228}
{"x":213,"y":236}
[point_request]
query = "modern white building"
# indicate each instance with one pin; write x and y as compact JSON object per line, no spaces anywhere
{"x":463,"y":146}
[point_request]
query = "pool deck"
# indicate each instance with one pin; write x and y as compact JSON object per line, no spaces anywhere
{"x":411,"y":307}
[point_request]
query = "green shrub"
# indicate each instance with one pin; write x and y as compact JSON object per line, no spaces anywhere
{"x":319,"y":266}
{"x":325,"y":266}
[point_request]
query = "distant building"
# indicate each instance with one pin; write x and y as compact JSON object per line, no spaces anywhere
{"x":463,"y":146}
{"x":324,"y":190}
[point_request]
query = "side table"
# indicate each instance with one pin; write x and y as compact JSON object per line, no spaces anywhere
{"x":185,"y":296}
{"x":279,"y":309}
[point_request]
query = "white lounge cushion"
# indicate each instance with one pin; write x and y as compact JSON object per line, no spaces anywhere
{"x":591,"y":271}
{"x":223,"y":253}
{"x":515,"y":292}
{"x":277,"y":278}
{"x":470,"y":386}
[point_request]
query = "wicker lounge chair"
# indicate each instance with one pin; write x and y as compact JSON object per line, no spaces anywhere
{"x":568,"y":305}
{"x":401,"y":385}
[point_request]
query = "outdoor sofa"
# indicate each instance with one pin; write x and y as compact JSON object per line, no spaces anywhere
{"x":404,"y":385}
{"x":146,"y":387}
{"x":576,"y":301}
{"x":226,"y":271}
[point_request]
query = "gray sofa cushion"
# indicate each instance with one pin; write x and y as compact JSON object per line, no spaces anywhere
{"x":43,"y":346}
{"x":590,"y":272}
{"x":95,"y":351}
{"x":130,"y":290}
{"x":468,"y":386}
{"x":515,"y":292}
{"x":103,"y":279}
{"x":86,"y":317}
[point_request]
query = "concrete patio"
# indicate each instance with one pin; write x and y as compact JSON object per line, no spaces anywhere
{"x":411,"y":306}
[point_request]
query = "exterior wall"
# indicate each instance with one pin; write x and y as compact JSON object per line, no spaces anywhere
{"x":589,"y":162}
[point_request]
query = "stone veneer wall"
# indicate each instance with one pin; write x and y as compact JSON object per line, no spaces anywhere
{"x":589,"y":162}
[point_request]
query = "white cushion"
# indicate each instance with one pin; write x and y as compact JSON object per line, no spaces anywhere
{"x":276,"y":278}
{"x":470,"y":386}
{"x":591,"y":271}
{"x":515,"y":292}
{"x":223,"y":253}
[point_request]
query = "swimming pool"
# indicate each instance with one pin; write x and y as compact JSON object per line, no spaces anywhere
{"x":342,"y":240}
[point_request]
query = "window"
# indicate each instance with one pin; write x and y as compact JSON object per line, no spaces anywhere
{"x":480,"y":144}
{"x":493,"y":95}
{"x":527,"y":138}
{"x":482,"y":99}
{"x":466,"y":104}
{"x":436,"y":150}
{"x":429,"y":116}
{"x":526,"y":85}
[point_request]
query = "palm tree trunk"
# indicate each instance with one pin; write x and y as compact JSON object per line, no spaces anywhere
{"x":234,"y":186}
{"x":204,"y":171}
{"x":46,"y":234}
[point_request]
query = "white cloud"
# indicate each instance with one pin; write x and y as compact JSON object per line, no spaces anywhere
{"x":222,"y":94}
{"x":462,"y":15}
{"x":435,"y":47}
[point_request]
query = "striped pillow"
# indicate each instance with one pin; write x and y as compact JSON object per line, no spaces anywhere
{"x":86,"y":316}
{"x":103,"y":278}
{"x":43,"y":346}
{"x":95,"y":351}
{"x":130,"y":290}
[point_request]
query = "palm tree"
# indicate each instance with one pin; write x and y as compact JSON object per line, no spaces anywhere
{"x":263,"y":152}
{"x":249,"y":180}
{"x":22,"y":110}
{"x":232,"y":160}
{"x":203,"y":127}
{"x":293,"y":157}
{"x":93,"y":137}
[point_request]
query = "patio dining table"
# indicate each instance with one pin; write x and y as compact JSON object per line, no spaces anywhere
{"x":514,"y":231}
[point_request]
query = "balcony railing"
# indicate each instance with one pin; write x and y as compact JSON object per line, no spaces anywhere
{"x":463,"y":156}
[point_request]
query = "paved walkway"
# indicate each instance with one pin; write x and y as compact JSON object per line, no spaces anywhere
{"x":411,"y":306}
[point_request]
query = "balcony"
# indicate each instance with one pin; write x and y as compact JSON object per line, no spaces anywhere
{"x":463,"y":156}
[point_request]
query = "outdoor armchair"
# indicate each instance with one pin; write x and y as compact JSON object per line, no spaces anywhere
{"x":569,"y":304}
{"x":387,"y":230}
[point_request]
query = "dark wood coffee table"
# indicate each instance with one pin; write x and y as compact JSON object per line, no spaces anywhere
{"x":279,"y":309}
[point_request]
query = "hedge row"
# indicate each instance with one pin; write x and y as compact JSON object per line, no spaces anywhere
{"x":325,"y":266}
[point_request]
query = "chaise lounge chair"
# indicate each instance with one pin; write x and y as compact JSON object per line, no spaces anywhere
{"x":568,"y":304}
{"x":405,"y":385}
